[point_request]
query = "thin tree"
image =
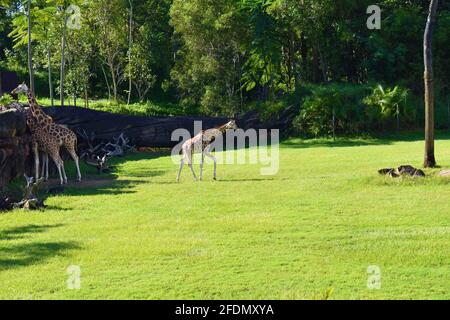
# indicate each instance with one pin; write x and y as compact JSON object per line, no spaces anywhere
{"x":63,"y":56}
{"x":30,"y":49}
{"x":130,"y":44}
{"x":49,"y":66}
{"x":430,"y":160}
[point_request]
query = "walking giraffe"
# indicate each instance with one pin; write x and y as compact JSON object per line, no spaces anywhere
{"x":48,"y":137}
{"x":201,"y":143}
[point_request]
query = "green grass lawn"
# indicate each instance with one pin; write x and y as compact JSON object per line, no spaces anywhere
{"x":309,"y":232}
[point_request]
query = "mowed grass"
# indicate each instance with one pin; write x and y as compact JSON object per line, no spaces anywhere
{"x":309,"y":232}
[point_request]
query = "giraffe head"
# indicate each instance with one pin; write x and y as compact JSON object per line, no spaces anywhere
{"x":23,"y":88}
{"x":231,"y":125}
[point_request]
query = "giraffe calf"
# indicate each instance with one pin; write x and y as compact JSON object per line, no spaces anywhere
{"x":201,"y":143}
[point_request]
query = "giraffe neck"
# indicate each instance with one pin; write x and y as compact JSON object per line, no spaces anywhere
{"x":223,"y":128}
{"x":36,"y":112}
{"x":34,"y":107}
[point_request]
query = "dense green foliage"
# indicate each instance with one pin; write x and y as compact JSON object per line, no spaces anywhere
{"x":224,"y":57}
{"x":298,"y":235}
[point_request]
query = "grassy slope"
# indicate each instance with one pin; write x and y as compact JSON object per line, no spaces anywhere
{"x":315,"y":226}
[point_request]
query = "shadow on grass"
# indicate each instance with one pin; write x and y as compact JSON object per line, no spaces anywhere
{"x":107,"y":183}
{"x":107,"y":187}
{"x":33,"y":253}
{"x":144,"y":173}
{"x":330,"y":143}
{"x":21,"y":232}
{"x":26,"y":254}
{"x":250,"y":180}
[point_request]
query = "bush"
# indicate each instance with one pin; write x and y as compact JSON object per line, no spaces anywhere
{"x":384,"y":106}
{"x":352,"y":109}
{"x":331,"y":108}
{"x":6,"y":99}
{"x":140,"y":109}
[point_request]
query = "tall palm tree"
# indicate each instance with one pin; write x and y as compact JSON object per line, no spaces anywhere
{"x":430,"y":160}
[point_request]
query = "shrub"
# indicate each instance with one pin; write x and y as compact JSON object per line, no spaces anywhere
{"x":352,"y":109}
{"x":6,"y":99}
{"x":386,"y":105}
{"x":331,"y":108}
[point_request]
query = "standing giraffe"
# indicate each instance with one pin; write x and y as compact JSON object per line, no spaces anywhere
{"x":48,"y":137}
{"x":201,"y":143}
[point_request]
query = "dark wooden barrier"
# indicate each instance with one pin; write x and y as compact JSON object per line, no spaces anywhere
{"x":155,"y":131}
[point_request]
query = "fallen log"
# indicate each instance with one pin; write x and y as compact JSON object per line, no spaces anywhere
{"x":30,"y":199}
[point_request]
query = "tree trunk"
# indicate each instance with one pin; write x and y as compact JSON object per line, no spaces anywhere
{"x":114,"y":82}
{"x":315,"y":65}
{"x":130,"y":43}
{"x":323,"y":64}
{"x":63,"y":60}
{"x":50,"y":84}
{"x":107,"y":83}
{"x":86,"y":97}
{"x":429,"y":160}
{"x":304,"y":54}
{"x":30,"y":49}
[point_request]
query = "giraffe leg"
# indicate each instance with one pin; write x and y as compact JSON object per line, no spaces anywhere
{"x":46,"y":166}
{"x":36,"y":161}
{"x":201,"y":166}
{"x":192,"y":170}
{"x":77,"y":163}
{"x":71,"y":149}
{"x":189,"y":160}
{"x":43,"y":165}
{"x":63,"y":172}
{"x":215,"y":163}
{"x":179,"y":171}
{"x":59,"y":164}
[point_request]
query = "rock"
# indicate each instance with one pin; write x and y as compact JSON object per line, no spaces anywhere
{"x":12,"y":124}
{"x":405,"y":170}
{"x":385,"y":171}
{"x":419,"y":173}
{"x":14,"y":145}
{"x":389,"y":172}
{"x":410,"y":171}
